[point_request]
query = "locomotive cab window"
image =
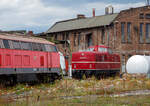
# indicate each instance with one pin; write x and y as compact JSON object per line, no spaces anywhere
{"x":50,"y":48}
{"x":16,"y":45}
{"x":90,"y":49}
{"x":6,"y":44}
{"x":54,"y":49}
{"x":100,"y":49}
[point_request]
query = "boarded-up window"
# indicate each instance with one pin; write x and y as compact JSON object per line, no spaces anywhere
{"x":7,"y":60}
{"x":18,"y":60}
{"x":26,"y":60}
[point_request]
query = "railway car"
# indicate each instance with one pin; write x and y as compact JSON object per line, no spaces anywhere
{"x":26,"y":58}
{"x":97,"y":60}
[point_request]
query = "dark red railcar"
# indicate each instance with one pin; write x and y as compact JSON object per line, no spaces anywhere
{"x":25,"y":58}
{"x":96,"y":60}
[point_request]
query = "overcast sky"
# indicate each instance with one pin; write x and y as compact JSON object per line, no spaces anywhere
{"x":39,"y":15}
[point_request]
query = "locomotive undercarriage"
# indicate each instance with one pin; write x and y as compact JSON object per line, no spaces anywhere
{"x":99,"y":74}
{"x":31,"y":78}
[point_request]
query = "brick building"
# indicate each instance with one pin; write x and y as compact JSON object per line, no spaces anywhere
{"x":126,"y":32}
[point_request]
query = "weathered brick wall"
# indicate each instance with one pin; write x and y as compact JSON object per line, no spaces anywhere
{"x":132,"y":15}
{"x":114,"y":32}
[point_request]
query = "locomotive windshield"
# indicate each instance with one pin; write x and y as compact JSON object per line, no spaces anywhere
{"x":90,"y":49}
{"x":100,"y":49}
{"x":104,"y":50}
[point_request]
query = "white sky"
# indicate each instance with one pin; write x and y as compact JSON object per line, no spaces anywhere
{"x":39,"y":15}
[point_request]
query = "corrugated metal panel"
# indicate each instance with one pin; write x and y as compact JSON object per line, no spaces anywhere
{"x":82,"y":23}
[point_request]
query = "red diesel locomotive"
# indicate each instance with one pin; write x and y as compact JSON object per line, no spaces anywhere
{"x":96,"y":60}
{"x":26,"y":58}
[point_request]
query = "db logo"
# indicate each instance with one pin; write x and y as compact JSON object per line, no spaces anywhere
{"x":34,"y":57}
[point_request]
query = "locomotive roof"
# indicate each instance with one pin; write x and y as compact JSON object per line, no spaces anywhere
{"x":25,"y":38}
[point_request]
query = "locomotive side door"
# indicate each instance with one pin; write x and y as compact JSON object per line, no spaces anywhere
{"x":53,"y":57}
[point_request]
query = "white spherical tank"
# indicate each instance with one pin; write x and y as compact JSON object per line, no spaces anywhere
{"x":138,"y":64}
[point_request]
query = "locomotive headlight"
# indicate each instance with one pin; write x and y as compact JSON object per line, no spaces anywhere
{"x":74,"y":65}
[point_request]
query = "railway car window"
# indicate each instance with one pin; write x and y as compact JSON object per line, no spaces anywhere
{"x":26,"y":46}
{"x":43,"y":47}
{"x":35,"y":47}
{"x":1,"y":44}
{"x":39,"y":47}
{"x":6,"y":44}
{"x":47,"y":48}
{"x":10,"y":44}
{"x":16,"y":45}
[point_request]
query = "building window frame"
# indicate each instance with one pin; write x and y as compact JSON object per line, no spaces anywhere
{"x":56,"y":37}
{"x":129,"y":31}
{"x":141,"y":35}
{"x":75,"y":35}
{"x":79,"y":38}
{"x":103,"y":36}
{"x":108,"y":37}
{"x":123,"y":32}
{"x":147,"y":16}
{"x":147,"y":34}
{"x":141,"y":15}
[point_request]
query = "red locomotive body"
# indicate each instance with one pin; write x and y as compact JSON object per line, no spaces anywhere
{"x":96,"y":60}
{"x":26,"y":58}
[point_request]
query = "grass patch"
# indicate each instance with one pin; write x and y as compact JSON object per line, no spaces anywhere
{"x":51,"y":93}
